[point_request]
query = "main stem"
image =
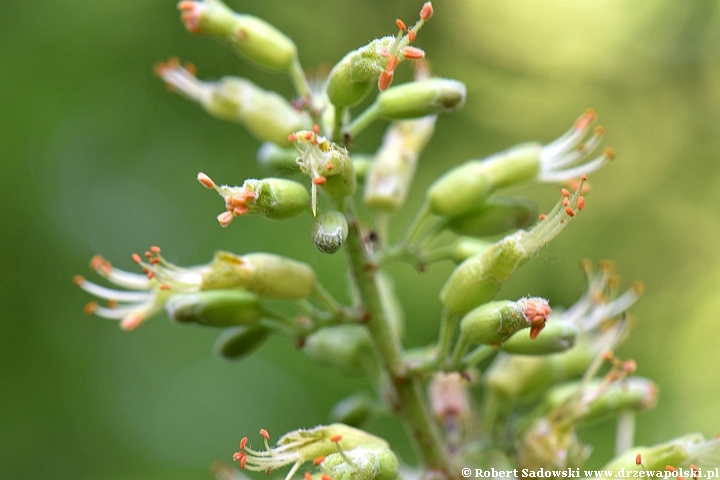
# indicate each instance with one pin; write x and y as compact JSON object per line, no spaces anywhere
{"x":411,"y":403}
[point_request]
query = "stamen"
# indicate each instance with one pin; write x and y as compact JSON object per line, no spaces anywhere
{"x":90,"y":308}
{"x":336,"y":438}
{"x":385,"y":80}
{"x":426,"y":11}
{"x":243,"y":442}
{"x":136,"y":258}
{"x":318,"y":460}
{"x":131,"y":322}
{"x":401,"y":25}
{"x":319,"y":180}
{"x":570,"y":211}
{"x":205,"y":180}
{"x":638,"y":459}
{"x":225,"y":218}
{"x":413,"y":53}
{"x":307,"y":476}
{"x":581,"y":202}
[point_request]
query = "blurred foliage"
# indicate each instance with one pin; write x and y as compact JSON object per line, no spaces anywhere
{"x":98,"y":158}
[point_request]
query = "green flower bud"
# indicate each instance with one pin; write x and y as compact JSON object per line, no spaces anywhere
{"x":462,"y":190}
{"x":276,"y":158}
{"x":239,"y":342}
{"x":392,"y":172}
{"x":551,"y":445}
{"x":300,"y":446}
{"x":492,"y":323}
{"x":600,"y":400}
{"x":327,"y":164}
{"x":365,"y":462}
{"x":421,"y":98}
{"x":351,"y":79}
{"x":215,"y":308}
{"x":267,"y":275}
{"x":680,"y":452}
{"x":466,"y":247}
{"x":354,"y":410}
{"x":477,"y":279}
{"x":330,"y":231}
{"x":252,"y":38}
{"x":557,"y":336}
{"x":275,"y":198}
{"x":265,"y":114}
{"x":496,"y":215}
{"x":346,"y":348}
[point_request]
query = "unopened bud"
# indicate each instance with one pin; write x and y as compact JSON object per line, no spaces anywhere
{"x":495,"y":216}
{"x":330,"y":231}
{"x":680,"y":451}
{"x":367,"y":462}
{"x":238,"y":342}
{"x":494,"y":322}
{"x":354,"y":410}
{"x":393,"y":170}
{"x":421,"y":98}
{"x":466,"y":247}
{"x":267,"y":275}
{"x":215,"y":308}
{"x":462,"y":189}
{"x":600,"y":400}
{"x":346,"y":348}
{"x":556,"y":337}
{"x":251,"y":37}
{"x":276,"y":158}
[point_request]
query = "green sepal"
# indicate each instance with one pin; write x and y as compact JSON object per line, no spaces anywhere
{"x":215,"y":308}
{"x":239,"y":342}
{"x":420,"y":98}
{"x":346,"y":348}
{"x":556,"y":337}
{"x":496,"y":215}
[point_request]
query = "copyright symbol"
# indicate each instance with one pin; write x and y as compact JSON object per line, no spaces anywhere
{"x":466,"y":472}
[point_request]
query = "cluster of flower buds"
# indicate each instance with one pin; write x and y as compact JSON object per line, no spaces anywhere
{"x":275,"y":198}
{"x":267,"y":115}
{"x":691,"y":452}
{"x":337,"y":449}
{"x":352,"y":79}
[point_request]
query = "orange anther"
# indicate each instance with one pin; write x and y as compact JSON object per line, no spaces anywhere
{"x":609,"y":153}
{"x":307,"y":476}
{"x":136,"y":258}
{"x":583,"y":177}
{"x":238,"y":455}
{"x":90,"y":308}
{"x":629,"y":366}
{"x":205,"y":180}
{"x":131,"y":322}
{"x":316,"y":128}
{"x":565,"y":202}
{"x":585,"y":120}
{"x":336,"y":438}
{"x":427,"y":11}
{"x":225,"y":218}
{"x":154,"y":261}
{"x":150,"y":275}
{"x":164,"y":286}
{"x":241,"y":210}
{"x":78,"y":279}
{"x":112,"y":303}
{"x":318,"y":460}
{"x":265,"y":434}
{"x":401,"y":25}
{"x":319,"y":180}
{"x":565,"y":192}
{"x":309,"y":135}
{"x":392,"y":63}
{"x":413,"y":53}
{"x":243,"y":442}
{"x":186,"y":5}
{"x":412,"y":35}
{"x":543,"y":216}
{"x":570,"y":211}
{"x":638,"y":459}
{"x":325,"y":476}
{"x":292,"y":137}
{"x":581,"y":202}
{"x":599,"y":131}
{"x":385,"y":80}
{"x":190,"y":68}
{"x":328,"y":166}
{"x":147,"y":254}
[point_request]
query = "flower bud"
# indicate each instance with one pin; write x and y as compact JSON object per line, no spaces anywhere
{"x":239,"y":342}
{"x":492,"y":323}
{"x":215,"y":308}
{"x":477,"y":279}
{"x":365,"y":462}
{"x":252,"y":38}
{"x":392,"y":172}
{"x":494,"y":216}
{"x":330,"y":231}
{"x":679,"y":452}
{"x":328,"y":165}
{"x":466,"y":247}
{"x":275,"y":198}
{"x":460,"y":191}
{"x":346,"y":348}
{"x":550,"y":445}
{"x":276,"y":158}
{"x":267,"y":275}
{"x":557,"y":336}
{"x":421,"y":98}
{"x":600,"y":400}
{"x":267,"y":115}
{"x":354,"y":410}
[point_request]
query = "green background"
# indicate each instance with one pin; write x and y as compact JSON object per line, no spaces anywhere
{"x":98,"y":158}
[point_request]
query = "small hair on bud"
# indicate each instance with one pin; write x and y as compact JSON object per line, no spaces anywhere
{"x":426,"y":11}
{"x":265,"y":434}
{"x":401,"y":25}
{"x":205,"y":180}
{"x":318,"y":460}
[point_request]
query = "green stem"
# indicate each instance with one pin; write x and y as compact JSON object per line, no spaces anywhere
{"x":297,"y":75}
{"x":362,"y":121}
{"x":416,"y":224}
{"x":411,"y":403}
{"x":337,"y":131}
{"x":448,"y":323}
{"x":477,"y":356}
{"x":327,"y":300}
{"x":461,"y":348}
